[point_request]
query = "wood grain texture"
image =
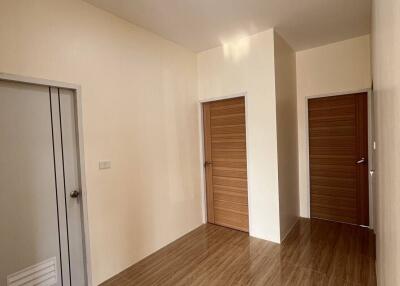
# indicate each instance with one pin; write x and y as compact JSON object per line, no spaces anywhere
{"x":362,"y":169}
{"x":338,"y":138}
{"x":208,"y":158}
{"x":316,"y":252}
{"x":226,"y":167}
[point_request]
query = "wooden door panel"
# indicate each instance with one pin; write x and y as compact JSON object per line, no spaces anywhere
{"x":227,"y":103}
{"x":237,"y":164}
{"x":323,"y":200}
{"x":230,"y":206}
{"x":333,"y":172}
{"x":231,"y":219}
{"x":332,"y":122}
{"x":232,"y":144}
{"x":227,"y":120}
{"x":230,"y":110}
{"x":329,"y":151}
{"x":327,"y":102}
{"x":336,"y":112}
{"x":229,"y":155}
{"x":338,"y":138}
{"x":324,"y":160}
{"x":226,"y":173}
{"x":232,"y":129}
{"x":227,"y":137}
{"x":333,"y":131}
{"x":333,"y":191}
{"x":231,"y":196}
{"x":230,"y":172}
{"x":230,"y":182}
{"x":239,"y":190}
{"x":333,"y":142}
{"x":333,"y":182}
{"x":338,"y":214}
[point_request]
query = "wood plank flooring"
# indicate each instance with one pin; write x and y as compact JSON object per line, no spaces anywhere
{"x":316,"y":252}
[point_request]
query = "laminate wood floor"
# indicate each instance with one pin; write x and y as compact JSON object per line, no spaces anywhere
{"x":315,"y":252}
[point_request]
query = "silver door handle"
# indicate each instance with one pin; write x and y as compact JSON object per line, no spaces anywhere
{"x":362,"y":160}
{"x":75,"y":194}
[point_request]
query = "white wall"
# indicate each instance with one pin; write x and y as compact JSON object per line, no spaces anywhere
{"x":335,"y":68}
{"x":386,"y":74}
{"x":139,"y":111}
{"x":248,"y":66}
{"x":286,"y":117}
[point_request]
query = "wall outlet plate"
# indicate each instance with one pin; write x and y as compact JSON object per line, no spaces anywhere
{"x":104,"y":165}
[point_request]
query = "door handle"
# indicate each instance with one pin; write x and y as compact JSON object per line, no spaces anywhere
{"x":207,"y":163}
{"x":75,"y":194}
{"x":362,"y":160}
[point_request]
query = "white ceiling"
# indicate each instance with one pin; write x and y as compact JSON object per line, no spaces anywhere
{"x":203,"y":24}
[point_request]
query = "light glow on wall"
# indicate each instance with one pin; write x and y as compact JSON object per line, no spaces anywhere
{"x":236,"y":49}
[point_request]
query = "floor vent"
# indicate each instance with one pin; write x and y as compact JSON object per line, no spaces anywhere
{"x":41,"y":274}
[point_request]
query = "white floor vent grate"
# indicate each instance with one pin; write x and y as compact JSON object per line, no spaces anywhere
{"x":41,"y":274}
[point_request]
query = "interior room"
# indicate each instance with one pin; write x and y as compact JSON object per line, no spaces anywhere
{"x":230,"y":142}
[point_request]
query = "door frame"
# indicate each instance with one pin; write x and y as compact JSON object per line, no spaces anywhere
{"x":202,"y":170}
{"x":79,"y":115}
{"x":371,"y":143}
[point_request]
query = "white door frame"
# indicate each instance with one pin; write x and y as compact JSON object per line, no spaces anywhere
{"x":370,"y":148}
{"x":202,"y":171}
{"x":78,"y":99}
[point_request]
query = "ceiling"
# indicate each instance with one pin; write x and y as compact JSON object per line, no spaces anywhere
{"x":203,"y":24}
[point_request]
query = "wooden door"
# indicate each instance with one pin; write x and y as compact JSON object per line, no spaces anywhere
{"x":338,"y":149}
{"x":225,"y":163}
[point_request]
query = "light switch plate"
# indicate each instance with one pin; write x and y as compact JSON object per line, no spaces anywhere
{"x":104,"y":165}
